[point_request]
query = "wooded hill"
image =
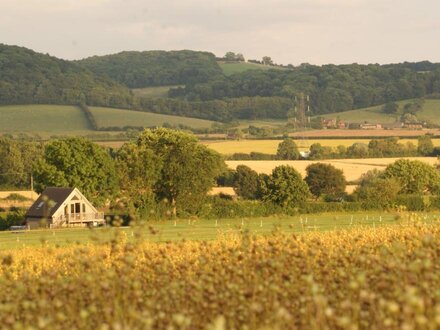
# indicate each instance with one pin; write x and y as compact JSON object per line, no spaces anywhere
{"x":155,"y":68}
{"x":28,"y":77}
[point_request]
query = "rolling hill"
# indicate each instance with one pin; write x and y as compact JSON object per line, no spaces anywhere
{"x":47,"y":120}
{"x":28,"y":77}
{"x":155,"y":68}
{"x":109,"y":117}
{"x":430,"y":113}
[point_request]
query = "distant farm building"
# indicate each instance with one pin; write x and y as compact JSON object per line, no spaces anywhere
{"x":413,"y":126}
{"x":371,"y":126}
{"x":62,"y":207}
{"x":333,"y":123}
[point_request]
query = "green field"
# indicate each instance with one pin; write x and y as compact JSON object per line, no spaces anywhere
{"x":238,"y":67}
{"x":170,"y":230}
{"x":108,"y":117}
{"x":42,"y":118}
{"x":430,"y":112}
{"x":153,"y":92}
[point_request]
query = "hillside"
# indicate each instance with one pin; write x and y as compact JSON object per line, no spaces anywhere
{"x":42,"y":119}
{"x":28,"y":77}
{"x":108,"y":117}
{"x":46,"y":120}
{"x":430,"y":112}
{"x":155,"y":68}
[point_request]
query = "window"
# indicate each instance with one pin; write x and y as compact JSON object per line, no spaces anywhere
{"x":84,"y":208}
{"x":77,"y":207}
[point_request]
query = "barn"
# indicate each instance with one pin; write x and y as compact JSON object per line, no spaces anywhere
{"x":62,"y":207}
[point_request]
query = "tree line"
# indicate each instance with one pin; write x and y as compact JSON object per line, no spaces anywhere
{"x":167,"y":173}
{"x":332,"y":88}
{"x":375,"y":148}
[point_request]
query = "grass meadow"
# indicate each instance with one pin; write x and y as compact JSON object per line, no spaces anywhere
{"x":42,"y":118}
{"x":154,"y":92}
{"x":430,"y":112}
{"x":200,"y":229}
{"x":107,"y":117}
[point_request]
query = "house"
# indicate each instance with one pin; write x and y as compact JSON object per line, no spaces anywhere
{"x":333,"y":123}
{"x":413,"y":126}
{"x":371,"y":126}
{"x":62,"y":207}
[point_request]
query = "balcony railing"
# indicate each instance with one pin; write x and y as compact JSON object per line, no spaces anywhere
{"x":80,"y":217}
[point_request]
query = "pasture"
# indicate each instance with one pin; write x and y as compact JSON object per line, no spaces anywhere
{"x":352,"y":168}
{"x":270,"y":146}
{"x":154,"y":92}
{"x":108,"y":117}
{"x":430,"y":112}
{"x":175,"y":230}
{"x":43,"y":118}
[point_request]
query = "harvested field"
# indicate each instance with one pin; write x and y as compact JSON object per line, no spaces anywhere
{"x":270,"y":146}
{"x":353,"y":168}
{"x":364,"y":133}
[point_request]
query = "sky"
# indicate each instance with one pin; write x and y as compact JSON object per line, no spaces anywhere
{"x":290,"y":31}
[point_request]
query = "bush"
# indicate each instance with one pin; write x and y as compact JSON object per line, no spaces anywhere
{"x":412,"y":202}
{"x":323,"y":207}
{"x":218,"y":208}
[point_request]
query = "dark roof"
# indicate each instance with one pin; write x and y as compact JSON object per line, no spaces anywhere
{"x":48,"y":202}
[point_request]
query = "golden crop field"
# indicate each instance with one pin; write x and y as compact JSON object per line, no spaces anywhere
{"x":376,"y":278}
{"x":352,"y":168}
{"x":270,"y":146}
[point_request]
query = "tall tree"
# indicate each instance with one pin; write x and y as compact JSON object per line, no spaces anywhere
{"x":288,"y":150}
{"x":188,"y":171}
{"x":246,"y":182}
{"x":285,"y":187}
{"x":325,"y":179}
{"x":79,"y":163}
{"x":425,"y":146}
{"x":414,"y":176}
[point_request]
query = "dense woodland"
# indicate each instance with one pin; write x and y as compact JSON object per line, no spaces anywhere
{"x":29,"y":77}
{"x":155,"y":68}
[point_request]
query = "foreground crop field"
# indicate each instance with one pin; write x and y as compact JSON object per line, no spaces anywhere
{"x":270,"y":146}
{"x":377,"y":278}
{"x":352,"y":168}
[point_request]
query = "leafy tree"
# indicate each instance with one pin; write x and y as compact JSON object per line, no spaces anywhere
{"x":390,"y":107}
{"x":377,"y":191}
{"x":425,"y":146}
{"x":415,"y":177}
{"x":285,"y":187}
{"x":246,"y":182}
{"x":325,"y":179}
{"x":138,"y":169}
{"x":188,"y":171}
{"x":267,"y":60}
{"x":358,"y":150}
{"x":77,"y":162}
{"x":317,"y":151}
{"x":288,"y":150}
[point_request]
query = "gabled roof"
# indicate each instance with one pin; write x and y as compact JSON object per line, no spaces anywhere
{"x":49,"y":202}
